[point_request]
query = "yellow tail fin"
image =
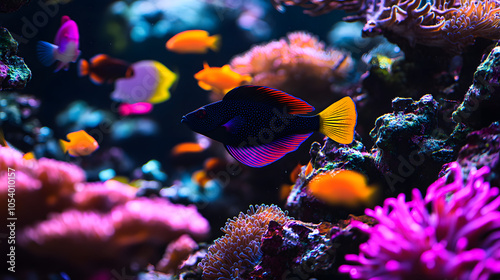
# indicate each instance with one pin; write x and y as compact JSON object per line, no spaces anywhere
{"x":338,"y":121}
{"x":215,"y":42}
{"x":64,"y":145}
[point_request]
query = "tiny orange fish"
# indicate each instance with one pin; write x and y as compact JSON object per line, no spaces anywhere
{"x":221,"y":79}
{"x":343,"y":188}
{"x":193,"y":41}
{"x":80,"y":144}
{"x":186,"y":148}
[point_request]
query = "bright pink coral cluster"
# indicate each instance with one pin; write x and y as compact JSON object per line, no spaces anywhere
{"x":454,"y":233}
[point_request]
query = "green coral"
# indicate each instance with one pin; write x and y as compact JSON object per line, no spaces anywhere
{"x":14,"y":74}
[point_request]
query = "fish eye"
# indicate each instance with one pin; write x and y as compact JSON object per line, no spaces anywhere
{"x":201,"y":113}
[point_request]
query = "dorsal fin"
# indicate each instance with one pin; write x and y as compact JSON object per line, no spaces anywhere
{"x":270,"y":96}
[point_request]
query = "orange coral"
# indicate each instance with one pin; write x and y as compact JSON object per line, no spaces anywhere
{"x":299,"y":64}
{"x":450,"y":24}
{"x":239,"y":249}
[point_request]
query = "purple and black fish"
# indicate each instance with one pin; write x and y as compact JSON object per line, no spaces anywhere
{"x":259,"y":125}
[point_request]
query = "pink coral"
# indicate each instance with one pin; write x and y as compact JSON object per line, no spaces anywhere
{"x":177,"y":252}
{"x":454,"y":233}
{"x":45,"y":185}
{"x":102,"y":196}
{"x":90,"y":237}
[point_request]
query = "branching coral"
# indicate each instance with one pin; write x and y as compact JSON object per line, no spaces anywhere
{"x":450,"y":24}
{"x":454,"y":233}
{"x":238,"y":251}
{"x":298,"y":64}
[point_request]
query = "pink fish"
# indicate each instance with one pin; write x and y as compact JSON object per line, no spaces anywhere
{"x":139,"y":108}
{"x":65,"y":47}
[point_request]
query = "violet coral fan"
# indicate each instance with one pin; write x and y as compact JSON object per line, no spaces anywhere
{"x":238,"y":251}
{"x":454,"y":233}
{"x":450,"y":24}
{"x":298,"y":64}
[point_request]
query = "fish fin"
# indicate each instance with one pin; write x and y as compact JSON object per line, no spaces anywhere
{"x":64,"y":145}
{"x":98,"y":58}
{"x":29,"y":156}
{"x":262,"y":155}
{"x":96,"y":79}
{"x":204,"y":86}
{"x":215,"y":42}
{"x":270,"y":96}
{"x":338,"y":121}
{"x":83,"y":67}
{"x":234,"y":124}
{"x":45,"y":52}
{"x":205,"y":65}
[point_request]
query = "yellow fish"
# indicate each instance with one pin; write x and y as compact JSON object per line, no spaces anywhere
{"x":193,"y":41}
{"x":220,"y":79}
{"x":80,"y":144}
{"x":343,"y":188}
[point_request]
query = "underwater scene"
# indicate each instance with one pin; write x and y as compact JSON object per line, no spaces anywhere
{"x":257,"y":139}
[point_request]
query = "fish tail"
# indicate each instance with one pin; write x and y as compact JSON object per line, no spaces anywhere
{"x":46,"y":53}
{"x":338,"y":121}
{"x":215,"y":42}
{"x":64,"y":145}
{"x":83,"y":67}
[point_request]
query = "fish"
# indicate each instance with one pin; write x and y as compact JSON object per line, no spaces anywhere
{"x":80,"y":144}
{"x":65,"y":48}
{"x":104,"y":69}
{"x":220,"y":79}
{"x":342,"y":188}
{"x":193,"y":41}
{"x":259,"y":125}
{"x":139,"y":108}
{"x":151,"y":82}
{"x":186,"y":148}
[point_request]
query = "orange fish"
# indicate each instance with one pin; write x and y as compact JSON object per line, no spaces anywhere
{"x":4,"y":143}
{"x":104,"y":69}
{"x":342,"y":187}
{"x":80,"y":144}
{"x":193,"y":41}
{"x":221,"y":79}
{"x":186,"y":148}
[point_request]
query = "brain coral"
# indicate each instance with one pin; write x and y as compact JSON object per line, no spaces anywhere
{"x":238,"y":251}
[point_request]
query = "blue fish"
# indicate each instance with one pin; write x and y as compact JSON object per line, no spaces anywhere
{"x":259,"y":125}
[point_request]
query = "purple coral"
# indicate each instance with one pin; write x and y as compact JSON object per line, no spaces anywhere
{"x":454,"y":233}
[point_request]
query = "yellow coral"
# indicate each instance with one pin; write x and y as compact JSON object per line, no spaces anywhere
{"x":239,"y":249}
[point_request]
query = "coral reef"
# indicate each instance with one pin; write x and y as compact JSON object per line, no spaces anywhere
{"x":14,"y":74}
{"x":450,"y":234}
{"x":298,"y":64}
{"x":236,"y":253}
{"x":298,"y":250}
{"x":46,"y":185}
{"x":448,"y":24}
{"x":127,"y":234}
{"x":481,"y":102}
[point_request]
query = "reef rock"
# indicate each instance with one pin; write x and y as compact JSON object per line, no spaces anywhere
{"x":14,"y":74}
{"x":481,"y":103}
{"x":411,"y":144}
